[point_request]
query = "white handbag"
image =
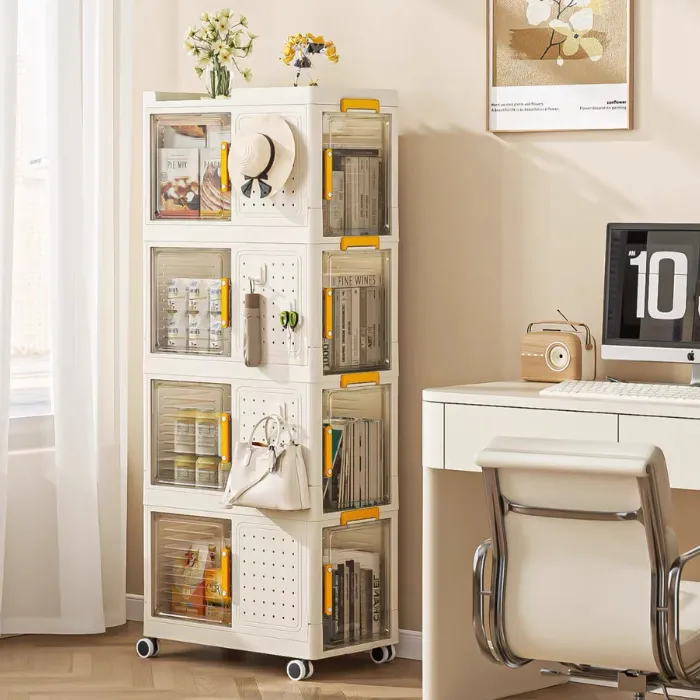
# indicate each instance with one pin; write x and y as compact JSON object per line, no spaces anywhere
{"x":271,"y":475}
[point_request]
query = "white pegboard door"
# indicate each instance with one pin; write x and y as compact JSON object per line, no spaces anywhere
{"x":255,"y":402}
{"x":269,"y":577}
{"x":288,"y":206}
{"x":277,"y":277}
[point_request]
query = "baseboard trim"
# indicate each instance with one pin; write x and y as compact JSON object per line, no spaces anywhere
{"x":409,"y":647}
{"x":134,"y":607}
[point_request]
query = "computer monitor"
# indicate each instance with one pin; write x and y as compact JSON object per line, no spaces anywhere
{"x":652,"y":294}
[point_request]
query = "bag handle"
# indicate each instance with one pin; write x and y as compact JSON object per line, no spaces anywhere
{"x":265,"y":420}
{"x":281,"y":427}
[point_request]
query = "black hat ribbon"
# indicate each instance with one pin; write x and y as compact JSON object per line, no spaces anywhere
{"x":265,"y":189}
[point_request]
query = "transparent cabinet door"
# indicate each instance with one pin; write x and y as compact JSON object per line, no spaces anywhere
{"x":189,"y":166}
{"x":191,"y":429}
{"x":357,"y":173}
{"x":356,"y":447}
{"x":190,"y":299}
{"x":356,"y":311}
{"x":192,"y":568}
{"x":356,"y":586}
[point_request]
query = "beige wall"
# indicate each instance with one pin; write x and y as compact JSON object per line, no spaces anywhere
{"x":495,"y":231}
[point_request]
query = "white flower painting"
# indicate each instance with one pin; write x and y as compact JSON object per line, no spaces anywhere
{"x":559,"y":65}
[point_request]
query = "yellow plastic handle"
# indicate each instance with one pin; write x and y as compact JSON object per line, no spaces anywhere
{"x":225,"y":303}
{"x":225,"y":185}
{"x":359,"y":242}
{"x":225,"y":437}
{"x":328,"y":313}
{"x":362,"y":514}
{"x":226,"y":574}
{"x":347,"y":103}
{"x":347,"y":380}
{"x":328,"y":173}
{"x":327,"y":451}
{"x":327,"y":589}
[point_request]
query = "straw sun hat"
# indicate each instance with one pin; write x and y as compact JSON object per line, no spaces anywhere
{"x":262,"y":156}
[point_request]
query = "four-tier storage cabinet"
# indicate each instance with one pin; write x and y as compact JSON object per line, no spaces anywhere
{"x":323,"y":249}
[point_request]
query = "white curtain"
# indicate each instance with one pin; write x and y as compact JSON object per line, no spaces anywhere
{"x":89,"y":139}
{"x":8,"y":89}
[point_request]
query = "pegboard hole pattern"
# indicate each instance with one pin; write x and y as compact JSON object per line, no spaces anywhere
{"x":289,"y":202}
{"x":253,"y":404}
{"x":270,"y":563}
{"x":279,"y":293}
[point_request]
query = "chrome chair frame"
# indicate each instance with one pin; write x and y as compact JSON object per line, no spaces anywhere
{"x":488,"y":600}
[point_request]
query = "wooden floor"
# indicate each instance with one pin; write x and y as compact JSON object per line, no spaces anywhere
{"x":106,"y":667}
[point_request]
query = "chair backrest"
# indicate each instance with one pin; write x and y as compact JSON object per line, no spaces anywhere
{"x":582,"y":544}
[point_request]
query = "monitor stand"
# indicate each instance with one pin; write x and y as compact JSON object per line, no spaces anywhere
{"x":694,"y":375}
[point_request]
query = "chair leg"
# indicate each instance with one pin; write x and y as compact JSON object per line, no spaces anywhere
{"x":639,"y":696}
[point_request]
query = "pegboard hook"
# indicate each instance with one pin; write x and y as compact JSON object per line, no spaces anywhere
{"x":262,"y":280}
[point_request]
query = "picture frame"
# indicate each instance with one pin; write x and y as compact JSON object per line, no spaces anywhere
{"x":560,"y":65}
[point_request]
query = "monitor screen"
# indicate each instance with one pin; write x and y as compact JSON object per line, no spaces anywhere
{"x":652,"y":286}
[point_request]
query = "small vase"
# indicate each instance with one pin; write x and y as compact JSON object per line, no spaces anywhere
{"x":217,"y":80}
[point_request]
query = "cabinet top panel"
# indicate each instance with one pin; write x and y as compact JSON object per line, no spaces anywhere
{"x":247,"y":96}
{"x":527,"y":395}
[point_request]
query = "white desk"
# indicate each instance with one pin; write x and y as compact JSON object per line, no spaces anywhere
{"x":459,"y":421}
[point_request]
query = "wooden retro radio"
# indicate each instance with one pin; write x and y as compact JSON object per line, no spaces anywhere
{"x":554,"y":352}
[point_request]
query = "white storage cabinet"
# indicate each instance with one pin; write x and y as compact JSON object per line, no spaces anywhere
{"x":310,"y":584}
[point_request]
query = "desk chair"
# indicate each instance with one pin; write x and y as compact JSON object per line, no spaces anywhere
{"x":582,"y":567}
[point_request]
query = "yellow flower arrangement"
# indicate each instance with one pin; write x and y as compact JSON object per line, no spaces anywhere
{"x":299,"y":48}
{"x":218,"y":45}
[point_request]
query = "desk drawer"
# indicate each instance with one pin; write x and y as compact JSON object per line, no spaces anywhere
{"x":679,"y":438}
{"x":469,"y":429}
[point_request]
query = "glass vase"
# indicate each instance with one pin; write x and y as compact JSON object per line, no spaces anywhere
{"x":217,"y":80}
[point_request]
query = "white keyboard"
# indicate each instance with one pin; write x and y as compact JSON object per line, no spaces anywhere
{"x":650,"y":393}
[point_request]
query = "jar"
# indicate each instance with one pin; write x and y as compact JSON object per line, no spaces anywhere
{"x":185,"y":469}
{"x":207,"y":472}
{"x":185,"y":420}
{"x":207,"y":433}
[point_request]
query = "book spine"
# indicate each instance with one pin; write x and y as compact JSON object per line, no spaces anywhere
{"x":336,"y":221}
{"x":357,"y":609}
{"x":374,"y":195}
{"x":372,"y":465}
{"x":363,"y":326}
{"x":366,"y":603}
{"x":335,"y":626}
{"x":345,"y":327}
{"x":346,"y":604}
{"x":350,"y":566}
{"x":376,"y":600}
{"x":355,"y":323}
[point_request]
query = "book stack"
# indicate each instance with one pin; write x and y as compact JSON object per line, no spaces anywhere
{"x":357,"y":457}
{"x":189,"y":171}
{"x":356,"y":204}
{"x":357,"y":614}
{"x":358,"y":323}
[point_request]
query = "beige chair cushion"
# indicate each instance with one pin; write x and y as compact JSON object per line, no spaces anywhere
{"x":579,"y":591}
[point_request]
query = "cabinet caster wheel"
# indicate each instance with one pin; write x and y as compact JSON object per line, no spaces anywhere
{"x":147,"y":647}
{"x":382,"y":655}
{"x":299,"y":670}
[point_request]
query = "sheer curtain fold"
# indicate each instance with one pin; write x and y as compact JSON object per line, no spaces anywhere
{"x":8,"y":90}
{"x":88,"y":218}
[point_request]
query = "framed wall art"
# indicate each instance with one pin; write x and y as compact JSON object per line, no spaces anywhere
{"x":560,"y":65}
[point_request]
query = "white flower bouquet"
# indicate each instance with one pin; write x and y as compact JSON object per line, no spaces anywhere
{"x":218,"y":45}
